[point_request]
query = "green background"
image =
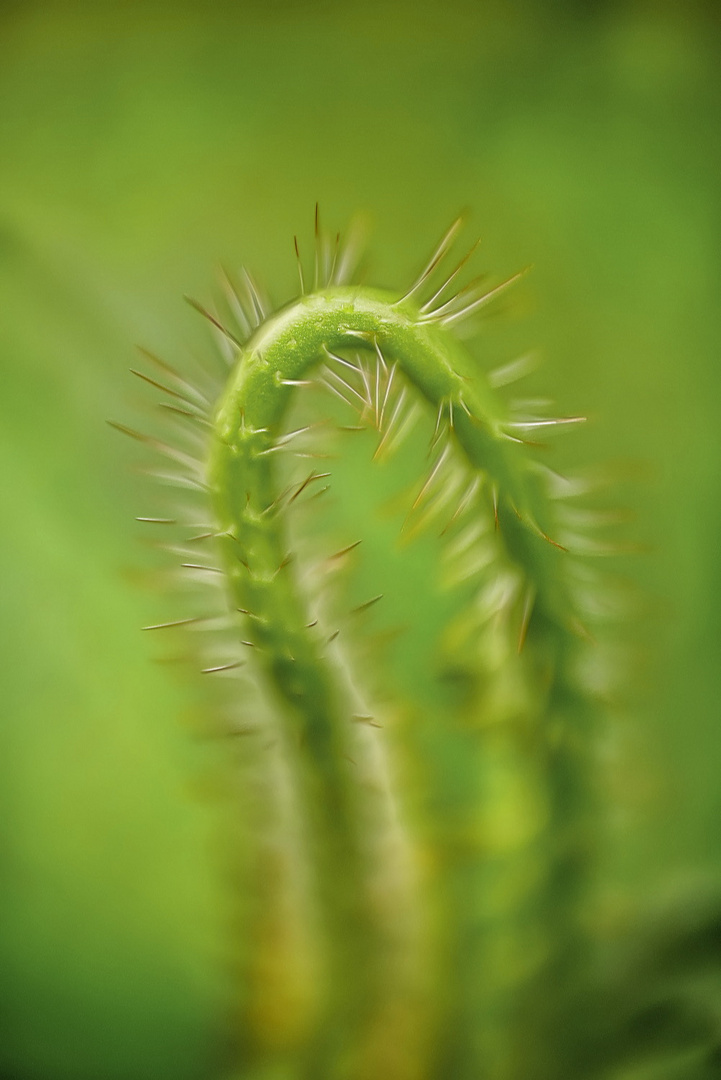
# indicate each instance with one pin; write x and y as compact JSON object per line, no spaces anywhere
{"x":140,"y":146}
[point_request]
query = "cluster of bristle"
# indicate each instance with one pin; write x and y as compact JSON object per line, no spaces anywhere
{"x":470,"y":298}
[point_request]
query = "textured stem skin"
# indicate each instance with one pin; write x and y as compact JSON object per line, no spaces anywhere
{"x":362,"y":934}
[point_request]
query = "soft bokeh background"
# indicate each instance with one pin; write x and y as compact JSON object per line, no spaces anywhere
{"x":141,"y":145}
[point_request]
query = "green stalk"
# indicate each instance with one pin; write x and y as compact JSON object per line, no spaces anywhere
{"x":370,"y":966}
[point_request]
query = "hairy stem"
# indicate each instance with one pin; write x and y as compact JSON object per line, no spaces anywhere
{"x":370,"y":948}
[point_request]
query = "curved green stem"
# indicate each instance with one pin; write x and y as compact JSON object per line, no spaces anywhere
{"x":361,"y":932}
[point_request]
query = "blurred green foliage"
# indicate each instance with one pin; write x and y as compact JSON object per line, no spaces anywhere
{"x":143,"y":144}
